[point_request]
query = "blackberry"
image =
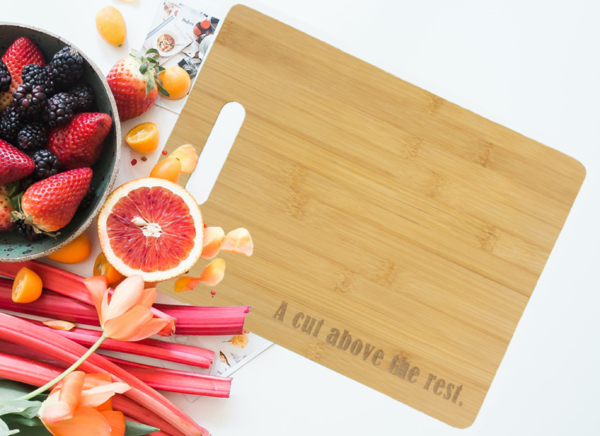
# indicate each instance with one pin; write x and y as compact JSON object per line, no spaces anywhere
{"x":5,"y":79}
{"x":46,"y":164}
{"x":33,"y":136}
{"x":60,"y":109}
{"x":66,"y":67}
{"x":10,"y":124}
{"x":85,"y":97}
{"x":27,"y":232}
{"x":87,"y":200}
{"x":30,"y":100}
{"x":26,"y":182}
{"x":38,"y":75}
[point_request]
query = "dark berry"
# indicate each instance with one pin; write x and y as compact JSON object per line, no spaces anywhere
{"x":26,"y":182}
{"x":46,"y":164}
{"x":85,"y":97}
{"x":10,"y":124}
{"x":5,"y":79}
{"x":66,"y":67}
{"x":27,"y":232}
{"x":33,"y":136}
{"x":37,"y":75}
{"x":87,"y":201}
{"x":60,"y":109}
{"x":29,"y":100}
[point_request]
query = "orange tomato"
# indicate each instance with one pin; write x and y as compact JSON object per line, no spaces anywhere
{"x":176,"y":81}
{"x":111,"y":26}
{"x":78,"y":250}
{"x":168,"y":169}
{"x":27,"y":286}
{"x":103,"y":268}
{"x":143,"y":137}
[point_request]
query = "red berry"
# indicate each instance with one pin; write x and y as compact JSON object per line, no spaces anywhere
{"x":133,"y":162}
{"x":165,"y":152}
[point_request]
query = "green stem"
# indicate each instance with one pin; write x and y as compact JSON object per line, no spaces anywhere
{"x":67,"y":372}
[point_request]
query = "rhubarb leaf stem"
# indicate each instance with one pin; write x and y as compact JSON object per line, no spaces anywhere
{"x":67,"y":371}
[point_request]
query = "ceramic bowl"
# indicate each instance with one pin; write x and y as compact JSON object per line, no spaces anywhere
{"x":13,"y":247}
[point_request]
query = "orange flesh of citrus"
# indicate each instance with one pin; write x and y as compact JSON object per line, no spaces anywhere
{"x":151,"y":229}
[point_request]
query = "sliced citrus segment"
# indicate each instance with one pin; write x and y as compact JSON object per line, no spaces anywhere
{"x":187,"y":155}
{"x":27,"y":286}
{"x":152,"y":227}
{"x":103,"y":268}
{"x":143,"y":137}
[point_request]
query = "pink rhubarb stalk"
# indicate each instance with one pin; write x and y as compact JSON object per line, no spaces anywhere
{"x":171,"y":380}
{"x":190,"y":320}
{"x":179,"y":353}
{"x":42,"y":340}
{"x":29,"y":371}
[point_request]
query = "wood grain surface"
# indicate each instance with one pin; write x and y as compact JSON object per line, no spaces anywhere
{"x":413,"y":227}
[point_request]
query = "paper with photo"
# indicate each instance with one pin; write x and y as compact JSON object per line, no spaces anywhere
{"x":183,"y":36}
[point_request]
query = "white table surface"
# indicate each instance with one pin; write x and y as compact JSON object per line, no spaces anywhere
{"x":531,"y":65}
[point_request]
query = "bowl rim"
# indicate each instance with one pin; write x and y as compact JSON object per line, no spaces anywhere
{"x":116,"y":166}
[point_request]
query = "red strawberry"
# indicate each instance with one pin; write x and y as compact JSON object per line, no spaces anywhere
{"x":79,"y":144}
{"x":135,"y":84}
{"x":50,"y":204}
{"x":22,"y":52}
{"x":6,"y":209}
{"x":14,"y":164}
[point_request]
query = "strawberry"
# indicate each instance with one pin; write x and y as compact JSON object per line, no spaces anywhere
{"x":50,"y":204}
{"x":14,"y":164}
{"x":135,"y":84}
{"x":6,"y":209}
{"x":22,"y":52}
{"x":79,"y":144}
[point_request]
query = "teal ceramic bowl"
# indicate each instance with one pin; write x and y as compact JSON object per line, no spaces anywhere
{"x":13,"y":247}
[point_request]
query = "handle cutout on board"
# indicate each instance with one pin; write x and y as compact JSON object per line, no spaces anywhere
{"x":215,"y":151}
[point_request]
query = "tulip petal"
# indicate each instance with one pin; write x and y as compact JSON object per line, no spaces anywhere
{"x":151,"y":328}
{"x":107,"y":405}
{"x":85,"y":421}
{"x":128,"y":324}
{"x":148,"y":297}
{"x":213,"y":237}
{"x":59,"y":325}
{"x":101,"y":394}
{"x":116,"y":420}
{"x":68,"y":399}
{"x":127,"y":295}
{"x":238,"y":241}
{"x":213,"y":273}
{"x":185,"y":284}
{"x":96,"y":379}
{"x":97,"y":286}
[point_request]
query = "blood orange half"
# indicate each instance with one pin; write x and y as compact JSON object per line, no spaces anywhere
{"x":151,"y":227}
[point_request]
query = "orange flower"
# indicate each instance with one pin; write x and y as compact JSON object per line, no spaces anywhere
{"x":82,"y":405}
{"x":126,"y":315}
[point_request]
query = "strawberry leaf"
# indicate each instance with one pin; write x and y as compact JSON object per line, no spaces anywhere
{"x":162,"y":90}
{"x":136,"y":54}
{"x":144,"y":69}
{"x":152,"y":61}
{"x":151,"y":84}
{"x":158,"y":69}
{"x":152,"y":50}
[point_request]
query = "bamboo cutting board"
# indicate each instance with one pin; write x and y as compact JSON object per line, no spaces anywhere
{"x":398,"y":237}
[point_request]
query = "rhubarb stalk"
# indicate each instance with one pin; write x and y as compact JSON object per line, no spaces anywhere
{"x":16,"y":330}
{"x":191,"y":320}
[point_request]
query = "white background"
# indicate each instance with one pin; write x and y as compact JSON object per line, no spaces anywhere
{"x":531,"y":65}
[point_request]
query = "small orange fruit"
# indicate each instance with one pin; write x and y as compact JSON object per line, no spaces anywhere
{"x":143,"y":137}
{"x":176,"y":81}
{"x":103,"y":268}
{"x":168,"y":169}
{"x":27,"y":286}
{"x":186,"y":154}
{"x":111,"y":26}
{"x":78,"y":250}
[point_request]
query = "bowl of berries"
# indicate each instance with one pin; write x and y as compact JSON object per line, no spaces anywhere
{"x":60,"y":142}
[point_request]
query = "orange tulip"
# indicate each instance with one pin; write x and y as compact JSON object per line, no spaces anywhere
{"x":82,"y":405}
{"x":126,"y":315}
